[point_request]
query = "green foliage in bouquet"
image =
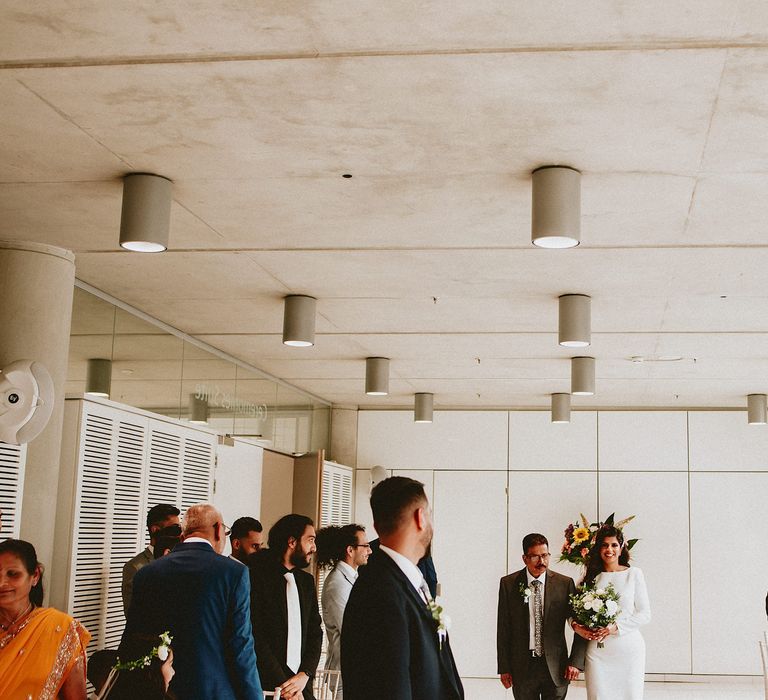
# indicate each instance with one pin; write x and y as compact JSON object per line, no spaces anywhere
{"x":595,"y":607}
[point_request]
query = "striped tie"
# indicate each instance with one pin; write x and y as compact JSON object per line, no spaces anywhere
{"x":538,"y":618}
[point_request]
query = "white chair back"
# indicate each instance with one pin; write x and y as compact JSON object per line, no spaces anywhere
{"x":325,"y":685}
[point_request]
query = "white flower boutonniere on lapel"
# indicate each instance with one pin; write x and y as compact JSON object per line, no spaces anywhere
{"x":443,"y":621}
{"x":525,"y":592}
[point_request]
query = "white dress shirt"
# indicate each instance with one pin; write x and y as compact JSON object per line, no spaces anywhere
{"x":531,"y":619}
{"x":411,"y":571}
{"x":197,"y":539}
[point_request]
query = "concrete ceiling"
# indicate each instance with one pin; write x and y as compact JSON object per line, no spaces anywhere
{"x":439,"y":111}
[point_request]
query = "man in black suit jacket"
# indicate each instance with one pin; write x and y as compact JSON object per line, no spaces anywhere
{"x":544,"y":673}
{"x":202,"y":599}
{"x":392,"y":647}
{"x":291,"y":545}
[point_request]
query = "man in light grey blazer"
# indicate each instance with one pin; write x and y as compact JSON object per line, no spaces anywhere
{"x":534,"y":608}
{"x":160,"y":516}
{"x":343,"y":550}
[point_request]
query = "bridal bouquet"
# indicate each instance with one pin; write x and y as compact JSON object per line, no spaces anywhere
{"x":580,"y":536}
{"x":595,"y":607}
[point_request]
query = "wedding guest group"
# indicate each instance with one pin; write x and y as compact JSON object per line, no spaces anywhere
{"x":42,"y":650}
{"x":246,"y":538}
{"x":392,"y":646}
{"x":284,"y":611}
{"x":615,"y":670}
{"x":159,"y":516}
{"x":532,"y":652}
{"x":342,"y":550}
{"x":202,"y":598}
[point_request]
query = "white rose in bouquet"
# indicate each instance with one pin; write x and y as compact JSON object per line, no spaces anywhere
{"x":611,"y":607}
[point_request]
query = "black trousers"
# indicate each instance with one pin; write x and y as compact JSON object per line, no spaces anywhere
{"x":538,"y":683}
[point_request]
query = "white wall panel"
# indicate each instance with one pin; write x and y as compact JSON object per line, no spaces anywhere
{"x":659,"y":501}
{"x":361,"y":502}
{"x":456,"y":440}
{"x":469,"y":555}
{"x":729,"y":569}
{"x":238,"y":481}
{"x":724,"y":441}
{"x":536,"y":443}
{"x":642,"y":440}
{"x":546,"y":502}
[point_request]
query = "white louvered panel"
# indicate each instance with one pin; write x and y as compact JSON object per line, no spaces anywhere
{"x":127,"y":519}
{"x":197,"y":476}
{"x":163,"y":485}
{"x":12,"y":461}
{"x":335,"y":495}
{"x":93,"y":513}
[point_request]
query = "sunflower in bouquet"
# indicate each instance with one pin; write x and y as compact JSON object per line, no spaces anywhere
{"x":580,"y":536}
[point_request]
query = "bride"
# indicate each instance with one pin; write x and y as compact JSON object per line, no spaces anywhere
{"x":616,"y":671}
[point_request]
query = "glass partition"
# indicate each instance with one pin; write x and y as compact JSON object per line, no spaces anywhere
{"x":150,"y":368}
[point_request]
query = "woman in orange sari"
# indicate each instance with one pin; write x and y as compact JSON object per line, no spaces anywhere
{"x":42,"y":650}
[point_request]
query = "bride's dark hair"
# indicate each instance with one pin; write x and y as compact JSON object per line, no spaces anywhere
{"x":595,"y":561}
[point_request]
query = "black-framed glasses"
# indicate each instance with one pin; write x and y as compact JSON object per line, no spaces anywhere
{"x":364,"y":544}
{"x":538,"y":557}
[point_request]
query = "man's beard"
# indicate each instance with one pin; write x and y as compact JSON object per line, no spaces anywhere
{"x":299,"y":559}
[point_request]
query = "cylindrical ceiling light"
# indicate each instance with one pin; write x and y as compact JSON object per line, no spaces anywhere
{"x":198,"y":409}
{"x":556,"y":212}
{"x":575,"y":325}
{"x":299,"y":321}
{"x":561,"y":408}
{"x":377,"y":376}
{"x":582,"y":376}
{"x":756,"y":409}
{"x":146,"y":216}
{"x":423,"y":407}
{"x":98,"y":381}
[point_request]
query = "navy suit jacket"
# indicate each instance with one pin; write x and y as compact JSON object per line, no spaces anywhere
{"x":389,"y":642}
{"x":202,"y":599}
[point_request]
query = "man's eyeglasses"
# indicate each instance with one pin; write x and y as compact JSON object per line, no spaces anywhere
{"x":227,"y":531}
{"x":365,"y":544}
{"x":538,"y":557}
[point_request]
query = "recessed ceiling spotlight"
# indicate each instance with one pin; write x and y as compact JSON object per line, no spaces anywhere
{"x":347,"y":175}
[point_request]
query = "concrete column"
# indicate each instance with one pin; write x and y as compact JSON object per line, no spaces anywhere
{"x":344,"y":436}
{"x":36,"y":288}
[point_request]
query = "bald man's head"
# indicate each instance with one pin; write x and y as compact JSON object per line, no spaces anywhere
{"x":204,"y":520}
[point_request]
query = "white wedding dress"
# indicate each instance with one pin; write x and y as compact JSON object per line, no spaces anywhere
{"x":616,"y":671}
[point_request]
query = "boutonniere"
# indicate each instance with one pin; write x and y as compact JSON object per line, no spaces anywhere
{"x":443,"y":621}
{"x":525,"y":592}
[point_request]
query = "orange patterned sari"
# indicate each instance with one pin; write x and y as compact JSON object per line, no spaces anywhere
{"x":37,"y":658}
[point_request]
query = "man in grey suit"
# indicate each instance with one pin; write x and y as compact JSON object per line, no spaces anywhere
{"x":343,"y":550}
{"x":160,"y":516}
{"x":533,"y":611}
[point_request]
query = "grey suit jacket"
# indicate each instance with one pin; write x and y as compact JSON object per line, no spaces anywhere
{"x":336,"y":589}
{"x":513,"y":628}
{"x":129,"y":571}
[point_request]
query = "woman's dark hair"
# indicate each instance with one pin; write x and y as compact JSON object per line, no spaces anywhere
{"x":26,"y":552}
{"x":332,"y":543}
{"x":595,"y":561}
{"x":146,"y":682}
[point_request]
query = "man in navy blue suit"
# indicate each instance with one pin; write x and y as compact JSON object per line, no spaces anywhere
{"x":203,"y":599}
{"x":394,"y":642}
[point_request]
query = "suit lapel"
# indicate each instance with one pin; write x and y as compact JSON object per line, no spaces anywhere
{"x":522,"y":581}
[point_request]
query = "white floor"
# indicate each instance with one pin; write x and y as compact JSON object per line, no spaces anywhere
{"x":739,"y":689}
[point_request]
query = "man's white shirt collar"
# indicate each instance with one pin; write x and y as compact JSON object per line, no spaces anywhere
{"x":236,"y":559}
{"x":197,"y":539}
{"x":405,"y":565}
{"x":531,"y":579}
{"x":348,"y":571}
